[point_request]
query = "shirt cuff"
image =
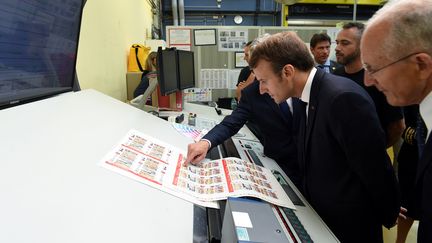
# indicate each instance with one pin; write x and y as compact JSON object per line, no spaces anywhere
{"x":208,"y":141}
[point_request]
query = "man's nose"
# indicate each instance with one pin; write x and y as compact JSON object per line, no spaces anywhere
{"x":262,"y":89}
{"x":369,"y":80}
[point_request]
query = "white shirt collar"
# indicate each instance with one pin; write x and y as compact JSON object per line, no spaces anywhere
{"x":426,"y":112}
{"x":290,"y":105}
{"x":305,"y":96}
{"x":326,"y":63}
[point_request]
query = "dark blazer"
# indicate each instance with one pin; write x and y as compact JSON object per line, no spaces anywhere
{"x":348,"y":177}
{"x":334,"y":65}
{"x":275,"y":129}
{"x":424,"y":185}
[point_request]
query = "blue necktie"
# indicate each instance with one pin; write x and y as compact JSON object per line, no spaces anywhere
{"x":300,"y":107}
{"x":421,"y":133}
{"x":326,"y":68}
{"x":303,"y":120}
{"x":285,"y":110}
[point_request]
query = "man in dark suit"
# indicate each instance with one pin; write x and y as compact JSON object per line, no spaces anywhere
{"x":401,"y":67}
{"x":274,"y":123}
{"x":320,"y":49}
{"x":347,"y":175}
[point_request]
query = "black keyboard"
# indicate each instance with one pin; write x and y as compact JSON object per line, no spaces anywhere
{"x":290,"y":214}
{"x":255,"y":157}
{"x":297,"y":225}
{"x":230,"y":148}
{"x":288,"y":190}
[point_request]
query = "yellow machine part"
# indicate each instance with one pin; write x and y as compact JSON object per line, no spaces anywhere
{"x":346,"y":2}
{"x":359,"y":2}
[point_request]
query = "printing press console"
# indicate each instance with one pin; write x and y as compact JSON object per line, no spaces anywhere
{"x":300,"y":225}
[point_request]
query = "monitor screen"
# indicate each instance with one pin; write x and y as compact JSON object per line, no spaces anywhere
{"x":38,"y":46}
{"x":167,"y":71}
{"x":185,"y":60}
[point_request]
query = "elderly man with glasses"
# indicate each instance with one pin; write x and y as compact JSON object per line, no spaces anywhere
{"x":397,"y":56}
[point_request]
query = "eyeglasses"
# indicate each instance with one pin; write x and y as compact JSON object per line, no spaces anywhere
{"x":372,"y":72}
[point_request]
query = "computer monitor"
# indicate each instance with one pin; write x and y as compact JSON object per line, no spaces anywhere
{"x":38,"y":46}
{"x":167,"y":70}
{"x":186,"y":71}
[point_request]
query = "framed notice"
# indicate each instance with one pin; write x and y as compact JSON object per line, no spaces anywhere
{"x":239,"y":61}
{"x":179,"y":36}
{"x":205,"y":37}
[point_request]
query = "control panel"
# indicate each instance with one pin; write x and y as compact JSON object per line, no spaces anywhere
{"x":302,"y":224}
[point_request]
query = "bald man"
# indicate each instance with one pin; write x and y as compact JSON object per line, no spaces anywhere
{"x":401,"y":67}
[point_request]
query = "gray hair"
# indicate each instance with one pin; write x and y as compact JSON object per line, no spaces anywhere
{"x":409,"y":26}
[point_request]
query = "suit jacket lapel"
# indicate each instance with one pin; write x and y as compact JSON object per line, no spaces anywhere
{"x":425,"y":160}
{"x":313,"y":104}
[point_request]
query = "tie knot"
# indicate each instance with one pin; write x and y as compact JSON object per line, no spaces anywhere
{"x":302,"y":103}
{"x":285,"y":109}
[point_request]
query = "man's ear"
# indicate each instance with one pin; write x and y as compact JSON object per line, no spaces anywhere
{"x":424,"y":65}
{"x":288,"y":71}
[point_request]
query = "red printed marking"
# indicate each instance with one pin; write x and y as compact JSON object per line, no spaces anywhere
{"x":285,"y":224}
{"x":248,"y":156}
{"x":123,"y":168}
{"x":228,"y":178}
{"x":178,"y":168}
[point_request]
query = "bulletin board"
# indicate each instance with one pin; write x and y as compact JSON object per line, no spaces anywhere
{"x":219,"y":68}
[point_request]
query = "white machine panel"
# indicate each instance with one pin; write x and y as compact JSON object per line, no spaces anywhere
{"x":304,"y":223}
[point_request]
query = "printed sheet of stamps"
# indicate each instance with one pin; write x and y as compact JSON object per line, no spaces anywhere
{"x":146,"y":159}
{"x":161,"y":165}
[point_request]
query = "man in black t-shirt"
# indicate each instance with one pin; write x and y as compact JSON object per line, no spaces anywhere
{"x":246,"y":76}
{"x":348,"y":54}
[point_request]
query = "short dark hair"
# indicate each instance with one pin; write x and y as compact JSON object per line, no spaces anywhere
{"x":319,"y":37}
{"x":360,"y":27}
{"x":281,"y":49}
{"x":357,"y":25}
